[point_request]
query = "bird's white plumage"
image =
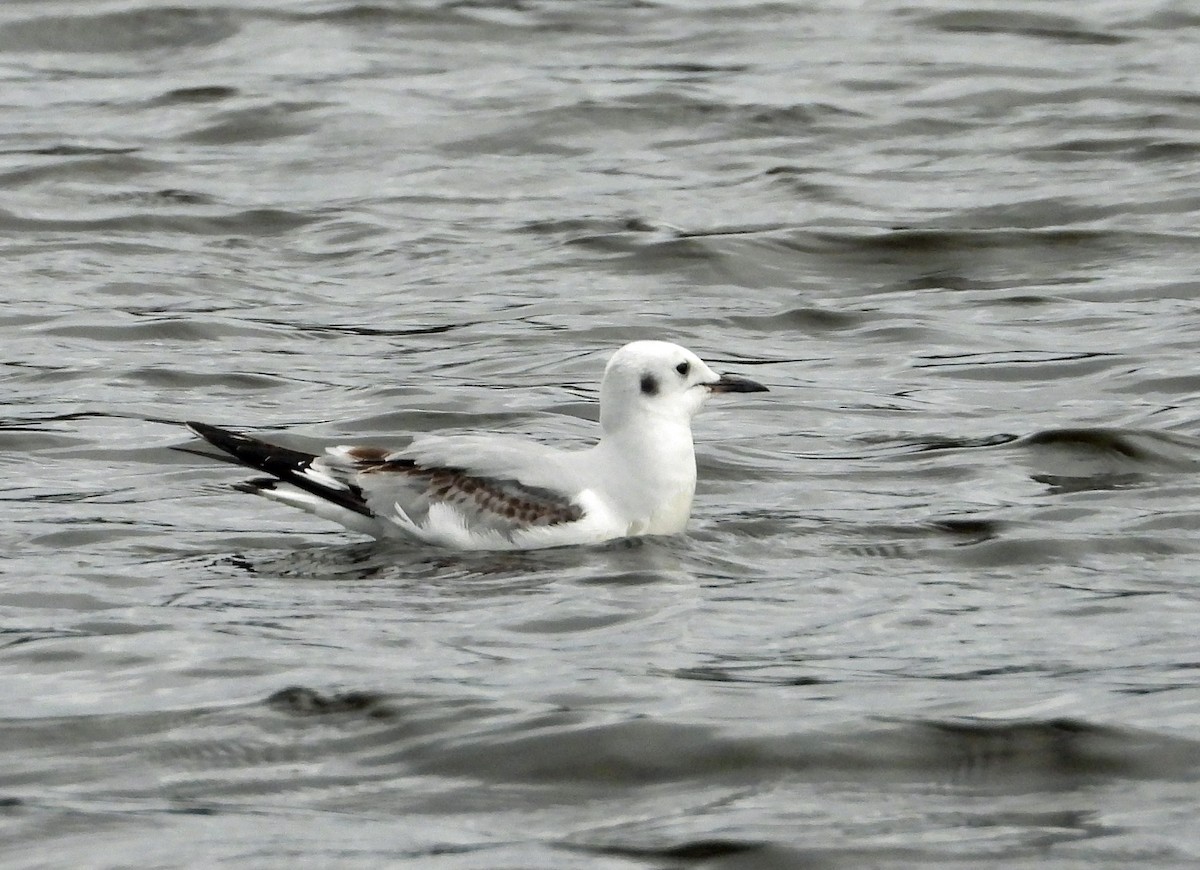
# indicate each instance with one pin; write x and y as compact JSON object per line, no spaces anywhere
{"x":498,"y":492}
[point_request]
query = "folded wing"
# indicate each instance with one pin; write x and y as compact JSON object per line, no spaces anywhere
{"x":471,"y":492}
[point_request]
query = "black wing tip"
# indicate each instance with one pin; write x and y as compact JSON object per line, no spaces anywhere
{"x":286,"y":465}
{"x":212,"y":434}
{"x":261,"y":455}
{"x":223,"y":439}
{"x":258,"y":485}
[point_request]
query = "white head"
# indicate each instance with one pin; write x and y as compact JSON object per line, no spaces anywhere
{"x":646,"y":380}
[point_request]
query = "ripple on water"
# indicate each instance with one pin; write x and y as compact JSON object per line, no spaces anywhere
{"x":370,"y":748}
{"x":135,"y":30}
{"x":937,"y":604}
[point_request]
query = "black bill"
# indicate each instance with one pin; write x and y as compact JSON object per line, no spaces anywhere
{"x":734,"y":384}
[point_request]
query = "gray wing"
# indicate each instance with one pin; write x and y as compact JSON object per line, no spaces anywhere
{"x":495,"y":485}
{"x":499,"y":488}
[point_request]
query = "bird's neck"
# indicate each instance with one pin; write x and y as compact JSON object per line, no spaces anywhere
{"x":658,"y":445}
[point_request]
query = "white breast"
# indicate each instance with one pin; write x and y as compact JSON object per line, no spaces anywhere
{"x":671,"y":516}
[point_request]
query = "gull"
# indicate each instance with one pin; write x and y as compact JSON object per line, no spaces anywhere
{"x":498,"y":492}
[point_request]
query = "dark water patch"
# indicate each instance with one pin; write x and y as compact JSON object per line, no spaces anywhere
{"x":1165,"y":18}
{"x":800,"y":181}
{"x":298,"y":700}
{"x":1021,"y":300}
{"x":400,"y":425}
{"x":1046,"y":220}
{"x":1017,"y":366}
{"x":589,"y":226}
{"x":1033,"y":25}
{"x":195,"y":94}
{"x":107,"y":168}
{"x":1056,"y":545}
{"x":251,"y":222}
{"x":989,"y":103}
{"x":50,"y":600}
{"x":1062,"y":749}
{"x":461,"y":736}
{"x":1104,"y":440}
{"x":787,"y":120}
{"x":18,"y":439}
{"x":1134,"y":148}
{"x":1059,"y":484}
{"x":1183,"y":290}
{"x":743,"y":853}
{"x":883,"y":550}
{"x":153,"y":328}
{"x":435,"y":15}
{"x":663,"y":110}
{"x":1044,"y":831}
{"x":809,"y":320}
{"x":180,"y":379}
{"x":102,"y":531}
{"x":927,"y":443}
{"x":903,"y":259}
{"x":1059,"y":753}
{"x":154,"y":198}
{"x":637,"y":577}
{"x":919,"y":242}
{"x":679,"y":120}
{"x":66,"y":421}
{"x":618,"y":240}
{"x":73,"y":150}
{"x":717,"y":232}
{"x":1103,"y":451}
{"x":732,"y":256}
{"x":1089,"y":148}
{"x":257,"y":124}
{"x":697,"y":68}
{"x":363,"y":329}
{"x":959,"y":531}
{"x":119,"y":32}
{"x":969,"y":530}
{"x":456,"y":576}
{"x":1168,"y":151}
{"x":73,"y":496}
{"x":571,"y":624}
{"x":46,"y":432}
{"x":751,"y":675}
{"x":1171,"y":387}
{"x":637,"y":236}
{"x":918,"y":541}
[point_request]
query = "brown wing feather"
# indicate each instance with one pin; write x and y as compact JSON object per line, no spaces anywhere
{"x":509,"y":499}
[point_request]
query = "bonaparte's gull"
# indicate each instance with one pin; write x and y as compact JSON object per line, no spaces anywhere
{"x":496,"y":492}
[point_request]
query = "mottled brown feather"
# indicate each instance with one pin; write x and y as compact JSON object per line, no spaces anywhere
{"x":368,"y":454}
{"x":457,"y":487}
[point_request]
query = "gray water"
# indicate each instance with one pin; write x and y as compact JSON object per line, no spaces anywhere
{"x":938,"y":602}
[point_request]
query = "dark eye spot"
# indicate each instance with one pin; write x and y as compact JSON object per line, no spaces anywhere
{"x":683,"y":368}
{"x":649,"y":385}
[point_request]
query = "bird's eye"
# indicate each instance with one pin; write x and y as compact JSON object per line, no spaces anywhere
{"x":683,"y":368}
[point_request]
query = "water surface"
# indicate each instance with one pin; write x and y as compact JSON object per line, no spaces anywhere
{"x":937,"y":605}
